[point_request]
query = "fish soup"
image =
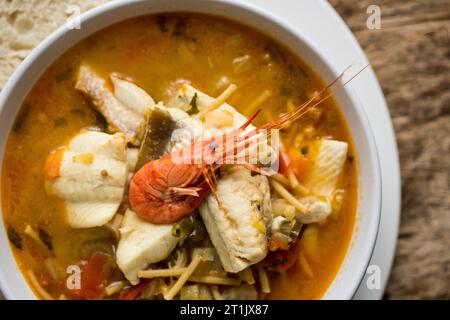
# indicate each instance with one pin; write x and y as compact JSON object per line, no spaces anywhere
{"x":89,"y":188}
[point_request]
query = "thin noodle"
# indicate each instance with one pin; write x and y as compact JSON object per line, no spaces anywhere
{"x":183,"y":278}
{"x":264,"y":280}
{"x":33,"y":235}
{"x":161,"y":273}
{"x":280,"y":178}
{"x":266,"y":94}
{"x":219,"y":100}
{"x":288,"y":196}
{"x":215,"y":280}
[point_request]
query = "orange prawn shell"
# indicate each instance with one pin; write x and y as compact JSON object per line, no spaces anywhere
{"x":149,"y":192}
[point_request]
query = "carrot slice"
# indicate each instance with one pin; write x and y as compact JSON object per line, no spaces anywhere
{"x":53,"y":164}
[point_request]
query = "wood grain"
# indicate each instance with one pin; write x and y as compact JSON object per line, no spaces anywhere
{"x":411,"y":57}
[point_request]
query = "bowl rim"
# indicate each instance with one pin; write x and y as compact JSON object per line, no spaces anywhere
{"x":46,"y":46}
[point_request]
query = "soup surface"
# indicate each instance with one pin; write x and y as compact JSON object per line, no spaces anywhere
{"x":154,"y":52}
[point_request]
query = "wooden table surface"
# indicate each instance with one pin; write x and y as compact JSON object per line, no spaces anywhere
{"x":411,"y":57}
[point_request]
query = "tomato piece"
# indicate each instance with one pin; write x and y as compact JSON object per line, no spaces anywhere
{"x":94,"y":275}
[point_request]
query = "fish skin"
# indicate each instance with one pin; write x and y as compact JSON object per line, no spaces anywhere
{"x":121,"y":117}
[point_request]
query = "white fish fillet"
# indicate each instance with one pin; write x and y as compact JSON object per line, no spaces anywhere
{"x":92,"y":173}
{"x":131,"y":96}
{"x":329,"y":158}
{"x":328,"y":166}
{"x":124,"y":110}
{"x":142,"y":243}
{"x":238,"y":228}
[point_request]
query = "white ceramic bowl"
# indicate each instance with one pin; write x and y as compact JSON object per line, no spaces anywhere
{"x":358,"y":255}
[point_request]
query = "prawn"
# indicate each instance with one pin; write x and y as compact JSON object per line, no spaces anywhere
{"x":164,"y":191}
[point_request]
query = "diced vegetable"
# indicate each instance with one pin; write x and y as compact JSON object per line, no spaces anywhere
{"x":189,"y":229}
{"x":94,"y":276}
{"x":219,"y":118}
{"x":300,"y":165}
{"x":285,"y":161}
{"x":210,"y":261}
{"x":295,"y":160}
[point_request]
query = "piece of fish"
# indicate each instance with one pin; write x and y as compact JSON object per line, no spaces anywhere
{"x":141,"y":244}
{"x":89,"y":174}
{"x":124,"y":108}
{"x":329,"y":158}
{"x":238,"y":227}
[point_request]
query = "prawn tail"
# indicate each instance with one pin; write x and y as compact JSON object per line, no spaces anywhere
{"x":315,"y":100}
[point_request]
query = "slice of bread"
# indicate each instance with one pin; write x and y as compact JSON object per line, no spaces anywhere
{"x":26,"y":23}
